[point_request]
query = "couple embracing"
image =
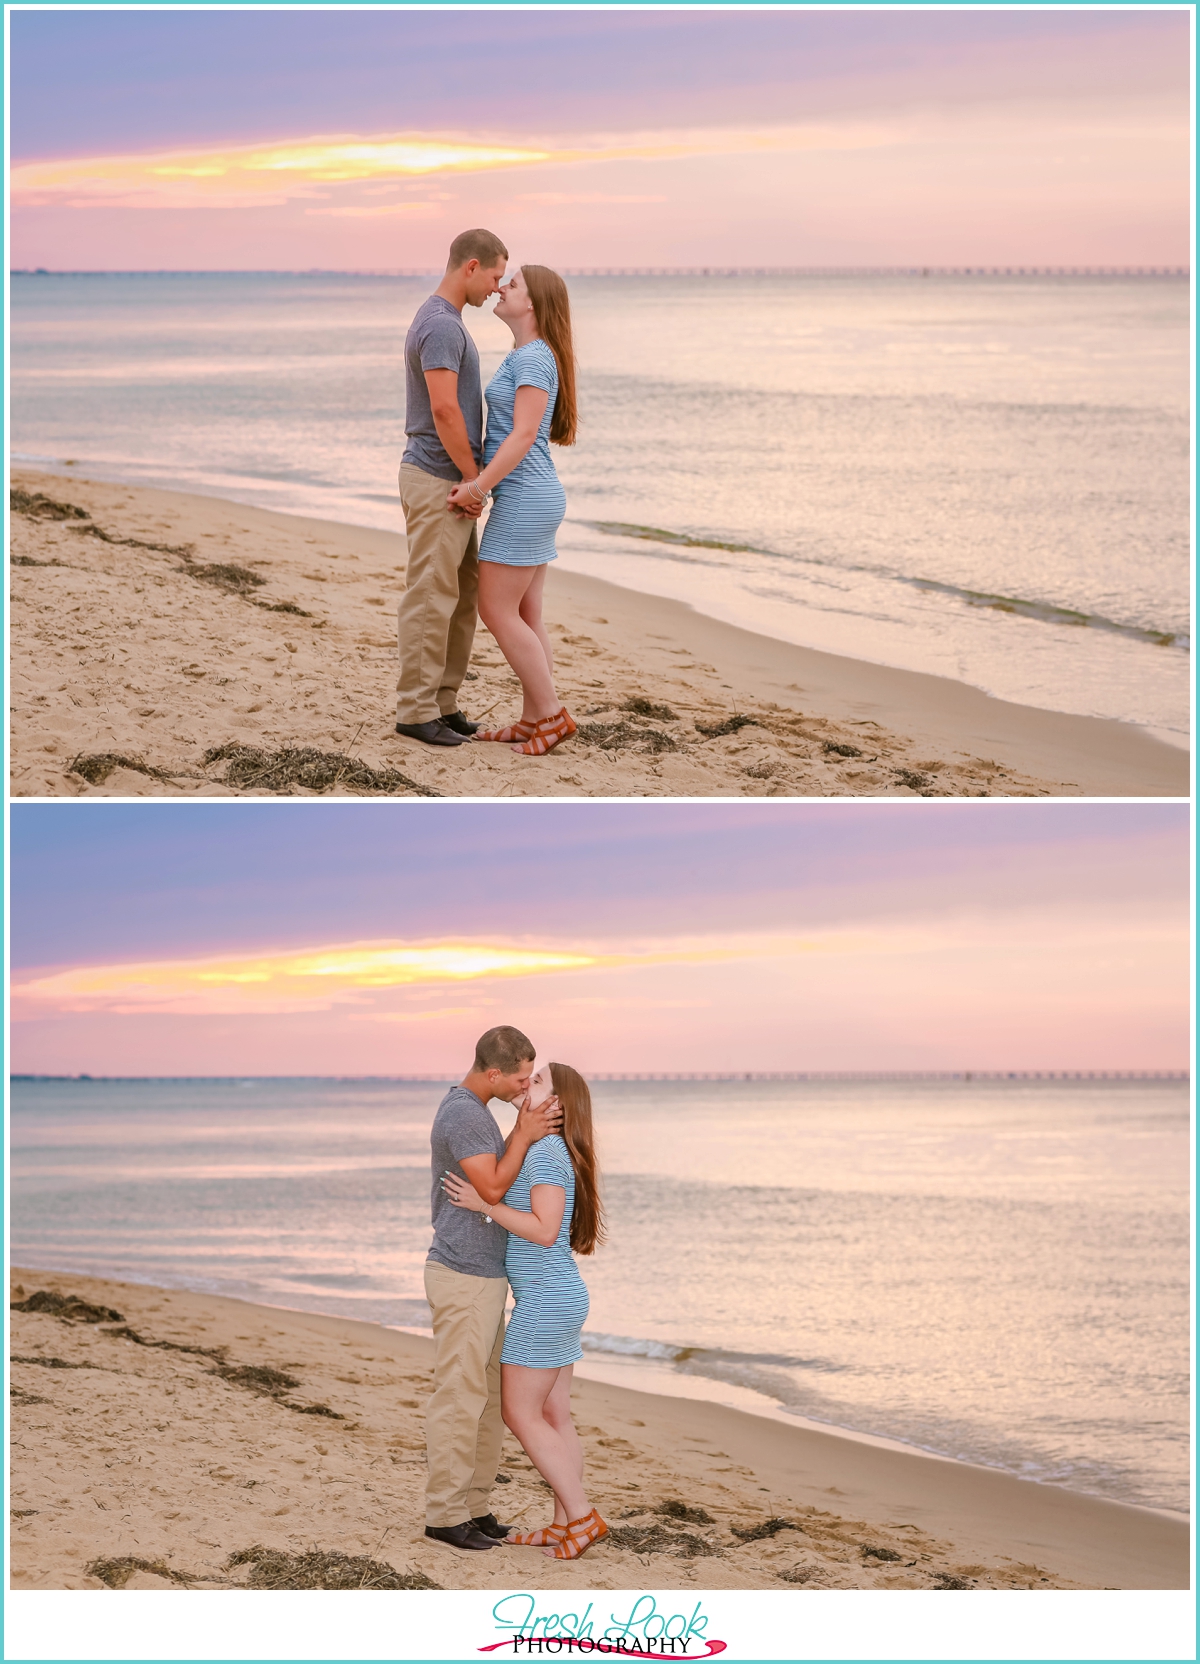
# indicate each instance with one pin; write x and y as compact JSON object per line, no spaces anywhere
{"x":451,"y":470}
{"x":509,"y":1211}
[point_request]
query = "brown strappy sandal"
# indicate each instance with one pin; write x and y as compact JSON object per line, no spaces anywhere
{"x":578,"y":1537}
{"x":541,"y":1538}
{"x":548,"y":733}
{"x":519,"y":730}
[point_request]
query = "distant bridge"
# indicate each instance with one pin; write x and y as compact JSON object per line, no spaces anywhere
{"x":696,"y":1075}
{"x":912,"y":1074}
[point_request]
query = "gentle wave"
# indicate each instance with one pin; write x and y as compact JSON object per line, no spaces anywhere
{"x":1045,"y":612}
{"x":662,"y":1351}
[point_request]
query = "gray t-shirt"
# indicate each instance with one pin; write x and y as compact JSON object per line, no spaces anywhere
{"x":438,"y":340}
{"x":463,"y":1241}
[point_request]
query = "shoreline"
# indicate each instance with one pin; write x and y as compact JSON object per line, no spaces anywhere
{"x":211,"y":624}
{"x":165,"y":1459}
{"x":1172,"y":740}
{"x":1112,"y":758}
{"x":646,"y":1377}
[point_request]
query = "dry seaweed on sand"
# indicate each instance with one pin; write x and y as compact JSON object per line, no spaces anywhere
{"x":37,"y":506}
{"x":798,"y":1574}
{"x":302,"y":766}
{"x":914,"y":781}
{"x":641,"y":706}
{"x":116,"y":1573}
{"x":68,"y":1306}
{"x":871,"y":1552}
{"x":40,"y":507}
{"x":166,"y":1345}
{"x":272,"y":1383}
{"x":49,"y":1363}
{"x":283,"y":606}
{"x":239,"y":580}
{"x":656,"y":1539}
{"x":672,"y":1509}
{"x":28,"y":560}
{"x":18,"y":1395}
{"x":768,"y":1528}
{"x":945,"y":1580}
{"x":96,"y":766}
{"x":623,"y":736}
{"x":272,"y":1568}
{"x":731,"y":725}
{"x":834,"y":748}
{"x":258,"y":1377}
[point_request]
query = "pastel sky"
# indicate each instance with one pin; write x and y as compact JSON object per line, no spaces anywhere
{"x":365,"y":138}
{"x":382,"y":938}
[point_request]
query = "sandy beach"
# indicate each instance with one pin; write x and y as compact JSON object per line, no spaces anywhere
{"x":169,"y":644}
{"x":174,"y":1440}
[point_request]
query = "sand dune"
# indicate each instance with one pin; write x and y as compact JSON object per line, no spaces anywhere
{"x":160,"y":1443}
{"x":166,"y":644}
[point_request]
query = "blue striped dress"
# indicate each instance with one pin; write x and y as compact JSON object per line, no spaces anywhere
{"x":552,"y":1299}
{"x":528,"y":505}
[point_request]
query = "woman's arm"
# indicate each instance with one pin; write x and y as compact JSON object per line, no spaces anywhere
{"x":541,"y":1226}
{"x":529,"y":406}
{"x":492,"y":1177}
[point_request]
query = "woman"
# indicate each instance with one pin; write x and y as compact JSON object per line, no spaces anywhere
{"x":552,"y":1208}
{"x":531,"y":401}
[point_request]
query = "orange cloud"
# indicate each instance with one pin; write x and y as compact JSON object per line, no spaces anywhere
{"x":272,"y":174}
{"x":309,"y":980}
{"x":353,"y":973}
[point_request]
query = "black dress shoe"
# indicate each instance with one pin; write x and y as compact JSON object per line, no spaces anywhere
{"x":491,"y":1527}
{"x":460,"y":1536}
{"x":434,"y":732}
{"x":461,"y":724}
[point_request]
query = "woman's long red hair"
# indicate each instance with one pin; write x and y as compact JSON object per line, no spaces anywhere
{"x":587,"y":1221}
{"x":552,"y":309}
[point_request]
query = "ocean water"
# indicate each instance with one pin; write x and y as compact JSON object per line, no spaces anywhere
{"x":985,"y":479}
{"x":996,"y":1271}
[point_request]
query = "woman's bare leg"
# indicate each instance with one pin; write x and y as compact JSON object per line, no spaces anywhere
{"x":502,"y":604}
{"x":524,"y":1396}
{"x":557,"y":1411}
{"x":531,"y":612}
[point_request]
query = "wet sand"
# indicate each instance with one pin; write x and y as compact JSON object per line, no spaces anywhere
{"x":156,"y":1452}
{"x":157,"y":630}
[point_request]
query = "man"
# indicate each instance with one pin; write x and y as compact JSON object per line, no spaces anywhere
{"x":444,"y":423}
{"x":466,"y":1286}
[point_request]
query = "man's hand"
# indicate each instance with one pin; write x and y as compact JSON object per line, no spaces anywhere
{"x":533,"y":1124}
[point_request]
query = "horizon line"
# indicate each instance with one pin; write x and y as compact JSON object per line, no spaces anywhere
{"x":695,"y":1075}
{"x":711,"y":270}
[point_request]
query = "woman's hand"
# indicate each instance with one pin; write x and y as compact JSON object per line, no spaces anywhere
{"x":462,"y":500}
{"x":462,"y":1194}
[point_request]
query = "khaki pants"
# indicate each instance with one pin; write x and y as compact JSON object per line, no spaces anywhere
{"x":463,"y":1429}
{"x":438,"y":608}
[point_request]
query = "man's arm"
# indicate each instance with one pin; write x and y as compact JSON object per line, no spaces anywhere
{"x":448,"y":420}
{"x":492,"y":1176}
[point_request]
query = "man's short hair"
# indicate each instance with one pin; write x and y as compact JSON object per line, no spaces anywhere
{"x":480,"y":245}
{"x":502,"y":1048}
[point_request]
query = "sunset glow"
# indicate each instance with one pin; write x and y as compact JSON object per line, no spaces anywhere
{"x":644,"y":936}
{"x":285,"y":979}
{"x":253,"y":172}
{"x":317,"y":979}
{"x":300,"y":167}
{"x":223,"y":139}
